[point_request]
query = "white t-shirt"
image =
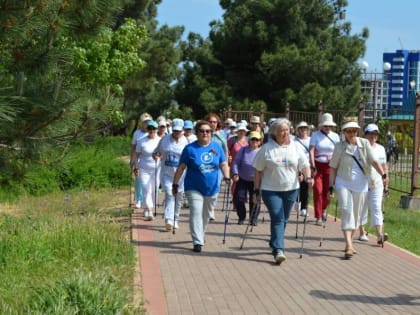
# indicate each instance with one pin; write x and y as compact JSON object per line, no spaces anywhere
{"x":137,"y":135}
{"x":324,"y":147}
{"x":304,"y":143}
{"x":146,"y":146}
{"x":280,"y":165}
{"x":379,"y":155}
{"x":170,"y":151}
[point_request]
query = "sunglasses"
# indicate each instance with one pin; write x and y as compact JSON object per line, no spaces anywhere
{"x":255,"y":139}
{"x":351,"y":130}
{"x":204,"y":131}
{"x":151,"y":128}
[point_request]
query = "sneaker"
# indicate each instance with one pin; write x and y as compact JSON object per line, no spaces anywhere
{"x":150,"y":216}
{"x":318,"y":221}
{"x":324,"y":215}
{"x":304,"y":213}
{"x":197,"y":248}
{"x":145,"y":213}
{"x":168,"y":226}
{"x":279,"y":257}
{"x":241,"y":222}
{"x":176,"y":225}
{"x":363,"y":238}
{"x":138,"y":205}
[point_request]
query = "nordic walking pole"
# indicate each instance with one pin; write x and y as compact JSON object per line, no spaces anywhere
{"x":226,"y":201}
{"x":254,"y":210}
{"x":336,"y":205}
{"x":385,"y":195}
{"x":297,"y":207}
{"x":324,"y":224}
{"x":173,"y":227}
{"x":155,"y":186}
{"x":303,"y":236}
{"x":130,"y":204}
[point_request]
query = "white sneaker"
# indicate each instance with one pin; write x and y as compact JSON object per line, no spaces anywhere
{"x":138,"y":205}
{"x":176,"y":225}
{"x":318,"y":222}
{"x":280,"y":257}
{"x":363,"y":238}
{"x":304,"y":213}
{"x":324,"y":215}
{"x":150,"y":216}
{"x":145,"y":213}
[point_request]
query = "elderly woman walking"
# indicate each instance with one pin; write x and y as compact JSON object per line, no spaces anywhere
{"x":350,"y":169}
{"x":277,"y":166}
{"x":202,"y":160}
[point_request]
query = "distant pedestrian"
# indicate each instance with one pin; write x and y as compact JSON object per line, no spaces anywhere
{"x":148,"y":168}
{"x":140,"y":132}
{"x":303,"y":139}
{"x":376,"y":189}
{"x":169,"y":151}
{"x":243,"y":175}
{"x":321,"y":147}
{"x":202,"y":161}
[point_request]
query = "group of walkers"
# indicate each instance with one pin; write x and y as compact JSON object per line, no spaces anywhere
{"x":260,"y":162}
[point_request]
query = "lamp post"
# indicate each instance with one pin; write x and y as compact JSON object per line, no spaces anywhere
{"x":376,"y":86}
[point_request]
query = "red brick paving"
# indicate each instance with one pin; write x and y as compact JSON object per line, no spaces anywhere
{"x":225,"y":280}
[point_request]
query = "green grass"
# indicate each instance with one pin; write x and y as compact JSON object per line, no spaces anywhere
{"x":67,"y":254}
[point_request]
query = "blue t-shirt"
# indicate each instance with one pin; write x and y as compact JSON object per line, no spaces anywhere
{"x":203,"y":164}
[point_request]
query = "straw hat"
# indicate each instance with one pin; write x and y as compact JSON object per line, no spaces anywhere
{"x":327,"y":120}
{"x":349,"y":122}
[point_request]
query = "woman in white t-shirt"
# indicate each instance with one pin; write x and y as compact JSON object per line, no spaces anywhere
{"x":169,"y":151}
{"x":376,"y":189}
{"x":277,"y":166}
{"x":149,"y":168}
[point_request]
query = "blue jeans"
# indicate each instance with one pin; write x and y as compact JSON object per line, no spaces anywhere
{"x":279,"y":204}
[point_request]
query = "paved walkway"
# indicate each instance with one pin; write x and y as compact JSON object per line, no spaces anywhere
{"x":223,"y":279}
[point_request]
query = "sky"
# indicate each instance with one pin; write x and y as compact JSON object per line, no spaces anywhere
{"x":392,"y":24}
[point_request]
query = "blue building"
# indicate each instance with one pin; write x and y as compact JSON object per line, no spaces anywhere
{"x":404,"y":79}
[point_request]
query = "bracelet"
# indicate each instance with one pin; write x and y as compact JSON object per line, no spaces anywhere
{"x":313,"y":168}
{"x":384,"y":176}
{"x":226,"y":178}
{"x":331,"y":189}
{"x":175,"y":185}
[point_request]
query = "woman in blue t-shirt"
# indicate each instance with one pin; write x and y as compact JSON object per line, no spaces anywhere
{"x":202,"y":159}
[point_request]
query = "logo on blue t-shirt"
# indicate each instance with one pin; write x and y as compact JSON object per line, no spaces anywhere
{"x":206,"y":157}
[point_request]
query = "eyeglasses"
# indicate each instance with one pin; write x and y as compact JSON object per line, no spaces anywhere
{"x":213,"y":121}
{"x":255,"y":139}
{"x":351,"y":130}
{"x":204,"y":130}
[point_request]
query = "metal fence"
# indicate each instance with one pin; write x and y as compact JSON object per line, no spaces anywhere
{"x":403,"y":164}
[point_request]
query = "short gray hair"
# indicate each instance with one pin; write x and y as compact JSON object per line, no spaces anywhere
{"x":277,"y":123}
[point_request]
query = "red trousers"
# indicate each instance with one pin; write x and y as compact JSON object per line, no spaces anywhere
{"x":321,"y":185}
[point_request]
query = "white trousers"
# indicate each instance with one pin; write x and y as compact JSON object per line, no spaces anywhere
{"x":373,"y":202}
{"x":351,"y":204}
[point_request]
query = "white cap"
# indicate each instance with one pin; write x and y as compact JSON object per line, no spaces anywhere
{"x":371,"y":128}
{"x":177,"y":124}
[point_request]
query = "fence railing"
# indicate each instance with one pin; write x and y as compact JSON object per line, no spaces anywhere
{"x":403,"y":166}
